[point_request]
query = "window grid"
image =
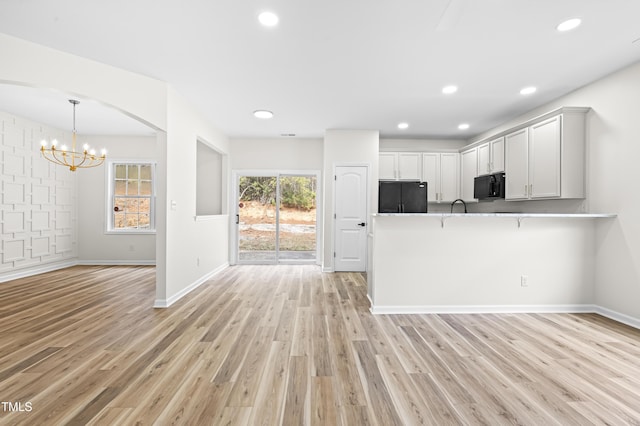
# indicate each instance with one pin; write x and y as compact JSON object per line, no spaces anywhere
{"x":132,"y":197}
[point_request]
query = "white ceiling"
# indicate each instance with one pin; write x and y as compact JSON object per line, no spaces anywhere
{"x":358,"y":64}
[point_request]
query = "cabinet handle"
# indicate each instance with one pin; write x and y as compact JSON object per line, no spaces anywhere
{"x":530,"y":189}
{"x":526,"y":190}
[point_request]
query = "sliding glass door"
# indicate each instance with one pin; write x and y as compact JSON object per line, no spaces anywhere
{"x":297,"y":218}
{"x":256,"y":219}
{"x":276,"y":218}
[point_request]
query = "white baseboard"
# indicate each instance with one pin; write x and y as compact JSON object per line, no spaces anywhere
{"x":617,"y":316}
{"x":35,"y":270}
{"x":165,"y":303}
{"x":507,"y":309}
{"x":327,"y":269}
{"x":50,"y":267}
{"x":481,"y":309}
{"x":117,"y":262}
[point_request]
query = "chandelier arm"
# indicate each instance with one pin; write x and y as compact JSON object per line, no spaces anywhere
{"x":84,"y":158}
{"x":93,"y":161}
{"x":61,"y":158}
{"x":63,"y":161}
{"x":48,"y":155}
{"x":90,"y":165}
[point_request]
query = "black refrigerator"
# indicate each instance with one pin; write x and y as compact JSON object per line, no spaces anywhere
{"x":402,"y":197}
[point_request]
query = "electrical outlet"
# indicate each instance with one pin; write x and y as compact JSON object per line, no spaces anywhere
{"x":524,"y":281}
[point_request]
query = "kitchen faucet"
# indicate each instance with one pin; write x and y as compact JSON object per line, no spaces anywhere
{"x":463,"y":203}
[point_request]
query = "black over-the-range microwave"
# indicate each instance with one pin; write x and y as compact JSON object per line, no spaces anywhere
{"x":489,"y":187}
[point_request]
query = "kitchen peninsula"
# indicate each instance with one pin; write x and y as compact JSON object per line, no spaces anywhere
{"x":482,"y":262}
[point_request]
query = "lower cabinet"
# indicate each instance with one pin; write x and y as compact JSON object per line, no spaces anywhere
{"x":441,"y":170}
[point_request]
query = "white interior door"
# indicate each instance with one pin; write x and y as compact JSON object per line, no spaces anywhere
{"x":351,"y":189}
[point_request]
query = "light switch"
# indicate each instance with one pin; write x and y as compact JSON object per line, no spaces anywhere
{"x":174,"y":204}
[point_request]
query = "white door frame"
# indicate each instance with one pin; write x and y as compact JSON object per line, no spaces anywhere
{"x":367,"y":211}
{"x":233,"y":229}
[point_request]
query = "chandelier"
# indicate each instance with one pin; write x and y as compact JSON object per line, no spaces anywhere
{"x":71,"y":158}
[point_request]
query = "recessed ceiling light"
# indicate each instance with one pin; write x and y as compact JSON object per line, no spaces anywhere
{"x":263,"y":113}
{"x":569,"y":24}
{"x":528,"y":90}
{"x":463,"y":126}
{"x":268,"y":19}
{"x":403,"y":126}
{"x":447,"y":90}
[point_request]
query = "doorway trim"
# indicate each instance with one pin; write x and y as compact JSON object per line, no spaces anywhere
{"x":234,"y":209}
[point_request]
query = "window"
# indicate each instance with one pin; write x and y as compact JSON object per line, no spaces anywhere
{"x":131,"y":206}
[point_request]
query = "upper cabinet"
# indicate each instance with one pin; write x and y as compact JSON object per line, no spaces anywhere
{"x":468,"y":171}
{"x":441,"y":170}
{"x":400,"y":166}
{"x":387,"y":165}
{"x":533,"y":161}
{"x":497,"y":155}
{"x":546,"y":158}
{"x":517,"y":160}
{"x":543,"y":158}
{"x":491,"y":156}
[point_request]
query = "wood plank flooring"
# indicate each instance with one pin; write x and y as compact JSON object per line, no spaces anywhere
{"x":269,"y":345}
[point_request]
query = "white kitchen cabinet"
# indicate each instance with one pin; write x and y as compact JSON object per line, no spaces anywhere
{"x":517,"y":165}
{"x":497,"y":155}
{"x":441,"y":172}
{"x":546,"y":159}
{"x":468,"y":171}
{"x":484,"y":159}
{"x":409,"y":165}
{"x":400,"y":166}
{"x":533,"y":161}
{"x":387,"y":165}
{"x":491,"y":156}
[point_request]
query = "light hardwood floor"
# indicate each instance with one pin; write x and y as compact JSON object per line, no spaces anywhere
{"x":291,"y":345}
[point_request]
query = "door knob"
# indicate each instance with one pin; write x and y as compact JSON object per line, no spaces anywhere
{"x":362,"y":224}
